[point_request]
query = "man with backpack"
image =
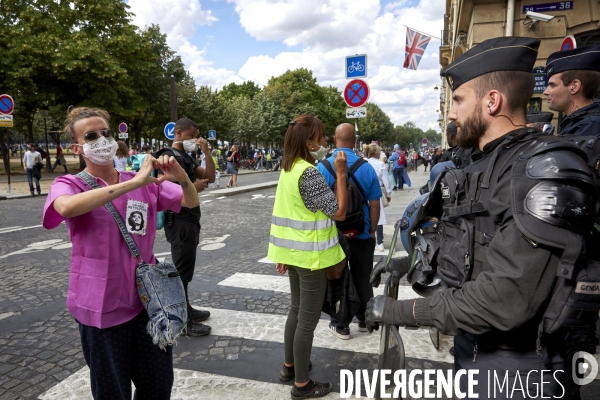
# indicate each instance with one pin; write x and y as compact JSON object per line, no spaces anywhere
{"x":361,"y":220}
{"x":182,"y":229}
{"x":398,"y":161}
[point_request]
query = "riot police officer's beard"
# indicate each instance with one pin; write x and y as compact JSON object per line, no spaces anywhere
{"x":472,"y":129}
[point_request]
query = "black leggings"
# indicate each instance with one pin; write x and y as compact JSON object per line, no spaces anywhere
{"x":123,"y":354}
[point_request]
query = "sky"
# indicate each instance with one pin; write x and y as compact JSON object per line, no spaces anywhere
{"x":224,"y":41}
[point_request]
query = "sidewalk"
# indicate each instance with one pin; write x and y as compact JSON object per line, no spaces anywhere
{"x":400,"y":200}
{"x":49,"y":177}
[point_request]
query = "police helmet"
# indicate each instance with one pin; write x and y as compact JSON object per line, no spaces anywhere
{"x":435,"y":172}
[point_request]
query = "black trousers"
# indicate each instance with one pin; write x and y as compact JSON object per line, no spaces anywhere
{"x":526,"y":365}
{"x":184,"y":236}
{"x":123,"y":354}
{"x":361,"y":266}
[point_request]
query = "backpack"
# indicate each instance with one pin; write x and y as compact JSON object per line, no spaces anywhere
{"x":401,"y":158}
{"x":354,"y":224}
{"x":136,"y":161}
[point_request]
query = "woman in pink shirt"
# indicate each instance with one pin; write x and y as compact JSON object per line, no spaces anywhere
{"x":102,"y":295}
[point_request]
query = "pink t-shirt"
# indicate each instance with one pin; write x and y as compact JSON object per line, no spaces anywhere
{"x":102,"y":290}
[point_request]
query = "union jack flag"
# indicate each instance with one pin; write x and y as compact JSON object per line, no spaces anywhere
{"x":416,"y":43}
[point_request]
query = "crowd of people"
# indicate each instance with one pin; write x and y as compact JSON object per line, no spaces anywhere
{"x":487,"y":267}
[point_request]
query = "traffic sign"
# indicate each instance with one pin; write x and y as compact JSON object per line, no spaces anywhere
{"x":540,"y":8}
{"x":170,"y":130}
{"x":123,"y":135}
{"x":424,"y":141}
{"x":212,"y":134}
{"x":356,"y":93}
{"x":7,"y":104}
{"x":568,"y":43}
{"x":123,"y":127}
{"x":356,"y":66}
{"x":6,"y":121}
{"x":359,"y":112}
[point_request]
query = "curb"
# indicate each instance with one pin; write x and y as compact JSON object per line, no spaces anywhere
{"x":243,"y":189}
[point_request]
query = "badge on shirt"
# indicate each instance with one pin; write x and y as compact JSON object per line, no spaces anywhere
{"x":137,"y":217}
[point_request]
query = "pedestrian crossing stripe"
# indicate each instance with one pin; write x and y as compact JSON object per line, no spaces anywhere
{"x":187,"y":385}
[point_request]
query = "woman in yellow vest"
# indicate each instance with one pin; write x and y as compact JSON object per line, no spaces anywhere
{"x":304,"y":242}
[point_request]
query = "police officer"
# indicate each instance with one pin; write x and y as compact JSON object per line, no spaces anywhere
{"x":459,"y":156}
{"x":504,"y":234}
{"x":574,"y":78}
{"x":182,"y":229}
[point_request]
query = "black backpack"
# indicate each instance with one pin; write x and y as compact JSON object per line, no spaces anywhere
{"x":354,"y":224}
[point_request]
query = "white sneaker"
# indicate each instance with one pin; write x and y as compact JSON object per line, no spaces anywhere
{"x":379,"y":248}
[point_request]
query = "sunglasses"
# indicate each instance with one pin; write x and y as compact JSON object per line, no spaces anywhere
{"x":93,"y":135}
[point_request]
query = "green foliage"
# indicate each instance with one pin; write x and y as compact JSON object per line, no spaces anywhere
{"x":88,"y":53}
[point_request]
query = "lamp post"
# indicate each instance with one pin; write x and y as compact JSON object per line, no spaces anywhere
{"x":44,"y":114}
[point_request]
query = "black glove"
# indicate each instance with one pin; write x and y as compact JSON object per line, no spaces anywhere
{"x":398,"y":267}
{"x":374,"y":312}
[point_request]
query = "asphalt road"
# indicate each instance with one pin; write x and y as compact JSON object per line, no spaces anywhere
{"x":40,"y":355}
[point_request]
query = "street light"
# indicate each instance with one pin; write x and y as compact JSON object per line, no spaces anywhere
{"x":44,"y":114}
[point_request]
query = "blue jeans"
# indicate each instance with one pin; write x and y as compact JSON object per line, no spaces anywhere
{"x":398,"y":177}
{"x":30,"y":178}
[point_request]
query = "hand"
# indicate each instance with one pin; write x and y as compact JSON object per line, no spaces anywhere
{"x":201,"y":184}
{"x":374,"y":312}
{"x":203,"y":144}
{"x":143,"y":175}
{"x":171,"y":169}
{"x":281,"y":268}
{"x":398,"y":267}
{"x":340,"y":162}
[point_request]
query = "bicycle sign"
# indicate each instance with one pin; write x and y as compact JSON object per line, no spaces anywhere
{"x":356,"y":66}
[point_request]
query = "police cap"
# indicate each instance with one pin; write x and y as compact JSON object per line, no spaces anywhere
{"x":509,"y":53}
{"x":567,"y":60}
{"x":540,"y":118}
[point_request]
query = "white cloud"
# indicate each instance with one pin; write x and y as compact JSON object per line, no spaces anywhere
{"x":326,"y":31}
{"x":178,"y":19}
{"x":329,"y":31}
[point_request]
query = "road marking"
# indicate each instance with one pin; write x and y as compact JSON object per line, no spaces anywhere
{"x":221,"y":198}
{"x":203,"y":195}
{"x":54,"y":244}
{"x":8,"y":314}
{"x":17,"y":228}
{"x":166,"y":253}
{"x":215,"y":243}
{"x":281,"y":284}
{"x":205,"y":201}
{"x":397,"y":254}
{"x":187,"y":384}
{"x":270,"y":327}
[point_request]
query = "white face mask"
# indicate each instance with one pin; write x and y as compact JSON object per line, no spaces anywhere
{"x":100,"y":151}
{"x":188,"y":145}
{"x":319,"y":154}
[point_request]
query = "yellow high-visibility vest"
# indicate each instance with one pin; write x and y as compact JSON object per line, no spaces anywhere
{"x":299,"y":236}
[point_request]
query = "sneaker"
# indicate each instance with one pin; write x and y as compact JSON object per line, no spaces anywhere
{"x":362,"y":326}
{"x":379,"y":248}
{"x":342,"y":333}
{"x":198,"y":315}
{"x":196,"y":329}
{"x":320,"y":389}
{"x":395,"y":188}
{"x":287,"y":374}
{"x":33,"y":194}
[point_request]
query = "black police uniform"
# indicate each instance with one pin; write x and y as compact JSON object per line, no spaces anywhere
{"x":511,"y":221}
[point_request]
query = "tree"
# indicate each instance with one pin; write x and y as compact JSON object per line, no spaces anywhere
{"x":248,"y":89}
{"x":376,"y":126}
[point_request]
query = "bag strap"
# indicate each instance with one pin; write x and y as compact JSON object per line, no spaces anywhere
{"x":350,"y":174}
{"x":87,"y":178}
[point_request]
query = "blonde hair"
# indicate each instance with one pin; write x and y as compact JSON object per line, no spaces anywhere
{"x":371,"y":150}
{"x":79,"y":113}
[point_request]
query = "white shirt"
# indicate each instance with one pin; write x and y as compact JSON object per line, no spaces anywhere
{"x":120,"y":163}
{"x":30,"y":158}
{"x":384,"y":180}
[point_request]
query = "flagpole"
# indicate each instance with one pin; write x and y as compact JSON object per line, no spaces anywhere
{"x":427,"y":34}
